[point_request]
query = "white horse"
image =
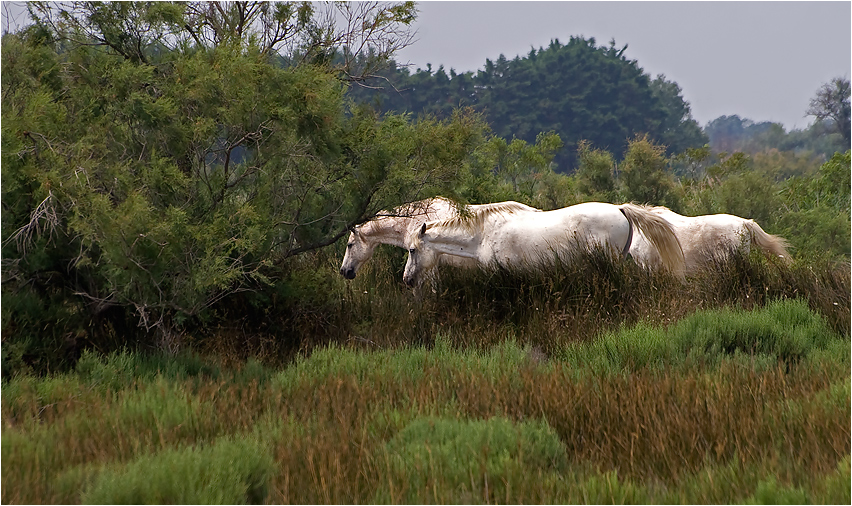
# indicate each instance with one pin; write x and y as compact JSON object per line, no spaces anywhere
{"x":494,"y":237}
{"x":704,"y":238}
{"x":391,"y":227}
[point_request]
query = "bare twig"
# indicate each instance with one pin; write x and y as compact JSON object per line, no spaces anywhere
{"x":42,"y":219}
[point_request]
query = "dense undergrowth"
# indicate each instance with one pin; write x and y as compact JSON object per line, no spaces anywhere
{"x":574,"y":302}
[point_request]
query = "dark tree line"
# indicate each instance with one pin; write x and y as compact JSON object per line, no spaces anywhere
{"x":578,"y":90}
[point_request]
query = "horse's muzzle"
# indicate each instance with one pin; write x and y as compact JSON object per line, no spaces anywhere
{"x":347,"y":273}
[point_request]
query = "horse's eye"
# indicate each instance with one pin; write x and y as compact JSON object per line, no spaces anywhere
{"x":349,"y":245}
{"x":411,"y":251}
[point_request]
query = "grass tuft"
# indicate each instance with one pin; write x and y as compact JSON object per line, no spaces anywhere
{"x":472,"y":460}
{"x":785,"y":331}
{"x":230,"y":471}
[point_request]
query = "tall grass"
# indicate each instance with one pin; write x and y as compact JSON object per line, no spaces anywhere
{"x":225,"y":472}
{"x":572,"y":302}
{"x":755,"y":410}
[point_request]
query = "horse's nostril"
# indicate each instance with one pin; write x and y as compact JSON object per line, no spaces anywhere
{"x":348,"y":273}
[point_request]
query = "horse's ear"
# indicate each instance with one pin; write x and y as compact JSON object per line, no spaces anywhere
{"x":422,"y":229}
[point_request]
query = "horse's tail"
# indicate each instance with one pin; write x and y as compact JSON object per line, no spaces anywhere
{"x":770,"y":244}
{"x":659,"y":233}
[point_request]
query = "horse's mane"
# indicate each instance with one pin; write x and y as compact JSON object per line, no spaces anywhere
{"x":472,"y":221}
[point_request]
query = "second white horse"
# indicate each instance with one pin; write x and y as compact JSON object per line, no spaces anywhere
{"x":496,"y":237}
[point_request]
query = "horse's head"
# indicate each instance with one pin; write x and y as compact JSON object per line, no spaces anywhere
{"x":422,"y":257}
{"x":358,"y":251}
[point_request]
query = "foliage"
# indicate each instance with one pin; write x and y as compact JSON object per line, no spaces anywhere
{"x":159,"y":158}
{"x":184,"y":185}
{"x":831,"y":107}
{"x":818,"y":220}
{"x":578,"y":90}
{"x":522,"y":165}
{"x":358,"y":38}
{"x":785,"y":331}
{"x":644,"y":176}
{"x":678,"y":131}
{"x":226,"y":472}
{"x":477,"y":458}
{"x":732,"y":133}
{"x":594,"y":174}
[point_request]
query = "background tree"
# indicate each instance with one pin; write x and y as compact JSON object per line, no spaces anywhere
{"x":577,"y":90}
{"x":677,"y":130}
{"x":732,"y":133}
{"x":817,"y":217}
{"x":831,"y":106}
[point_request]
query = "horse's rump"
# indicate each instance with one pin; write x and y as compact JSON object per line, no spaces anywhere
{"x":659,"y":233}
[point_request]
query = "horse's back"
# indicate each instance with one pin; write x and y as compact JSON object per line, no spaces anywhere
{"x":527,"y":238}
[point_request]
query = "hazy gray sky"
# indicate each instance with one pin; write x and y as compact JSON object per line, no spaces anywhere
{"x":760,"y":60}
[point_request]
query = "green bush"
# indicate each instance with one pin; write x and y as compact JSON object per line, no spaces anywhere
{"x":785,"y":330}
{"x":835,"y":487}
{"x":230,"y":471}
{"x":147,"y":188}
{"x":401,"y":365}
{"x":121,"y":368}
{"x":448,"y":459}
{"x":770,"y":492}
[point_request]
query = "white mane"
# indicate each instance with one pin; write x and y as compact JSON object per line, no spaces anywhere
{"x":475,"y":218}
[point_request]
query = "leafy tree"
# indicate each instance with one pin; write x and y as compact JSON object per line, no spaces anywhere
{"x":782,"y":165}
{"x":577,"y":90}
{"x":831,"y":106}
{"x":644,"y":178}
{"x":732,"y":133}
{"x":522,"y":164}
{"x":158,"y":158}
{"x":678,"y":131}
{"x":818,"y":217}
{"x":594,"y":175}
{"x":358,"y":37}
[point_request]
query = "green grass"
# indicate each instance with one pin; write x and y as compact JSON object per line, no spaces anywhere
{"x":449,"y":460}
{"x":229,"y":471}
{"x":722,"y":406}
{"x":784,"y":331}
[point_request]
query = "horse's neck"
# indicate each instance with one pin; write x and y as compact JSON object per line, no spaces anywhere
{"x":388,"y":230}
{"x":457,"y":242}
